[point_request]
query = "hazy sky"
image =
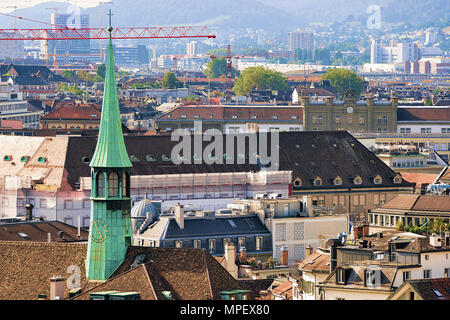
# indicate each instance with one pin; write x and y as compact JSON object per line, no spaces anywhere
{"x":4,"y":4}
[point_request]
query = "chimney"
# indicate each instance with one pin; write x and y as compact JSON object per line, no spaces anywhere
{"x":447,"y":238}
{"x":230,"y":252}
{"x":365,"y":230}
{"x":49,"y":237}
{"x":243,"y":255}
{"x":333,"y":253}
{"x":179,"y":215}
{"x":79,"y":227}
{"x":358,"y":231}
{"x":57,"y":288}
{"x":284,"y":256}
{"x":308,"y":251}
{"x":29,"y":211}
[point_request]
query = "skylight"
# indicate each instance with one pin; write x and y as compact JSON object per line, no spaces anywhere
{"x":23,"y":235}
{"x":437,"y":293}
{"x":231,"y":222}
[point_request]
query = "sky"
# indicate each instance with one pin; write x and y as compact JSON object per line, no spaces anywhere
{"x":5,"y":4}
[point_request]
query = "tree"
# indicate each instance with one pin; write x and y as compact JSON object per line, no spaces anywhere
{"x":218,"y":67}
{"x":343,"y":80}
{"x":68,"y":74}
{"x":170,"y":81}
{"x":101,"y":70}
{"x":259,"y":78}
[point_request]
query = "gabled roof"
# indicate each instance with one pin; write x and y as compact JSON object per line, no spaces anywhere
{"x":190,"y":274}
{"x":427,"y":289}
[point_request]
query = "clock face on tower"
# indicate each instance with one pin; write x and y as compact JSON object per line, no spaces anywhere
{"x":99,"y":230}
{"x":349,"y":110}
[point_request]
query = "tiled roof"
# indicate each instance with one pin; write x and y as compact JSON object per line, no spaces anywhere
{"x":190,"y":274}
{"x":423,"y":114}
{"x":422,"y":244}
{"x":316,"y":262}
{"x":284,"y":289}
{"x":256,"y":286}
{"x":78,"y":112}
{"x":401,"y":201}
{"x":419,"y":178}
{"x":428,"y":289}
{"x":38,"y":231}
{"x":26,"y":267}
{"x":416,"y":202}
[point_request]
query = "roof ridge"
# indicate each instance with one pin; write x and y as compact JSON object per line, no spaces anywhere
{"x":207,"y":273}
{"x":36,"y":243}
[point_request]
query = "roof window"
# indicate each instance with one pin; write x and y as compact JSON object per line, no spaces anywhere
{"x":42,"y":159}
{"x":150,"y":158}
{"x":7,"y":158}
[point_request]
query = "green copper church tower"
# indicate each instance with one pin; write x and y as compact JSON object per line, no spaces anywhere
{"x":110,"y":231}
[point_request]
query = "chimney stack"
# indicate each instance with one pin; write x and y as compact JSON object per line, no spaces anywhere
{"x":284,"y":257}
{"x":49,"y":237}
{"x":29,"y":211}
{"x":179,"y":215}
{"x":447,"y":238}
{"x":242,"y":255}
{"x":230,"y":253}
{"x":308,"y":251}
{"x":57,"y":288}
{"x":79,"y":227}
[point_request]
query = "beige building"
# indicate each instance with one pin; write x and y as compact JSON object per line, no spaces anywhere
{"x":350,"y":115}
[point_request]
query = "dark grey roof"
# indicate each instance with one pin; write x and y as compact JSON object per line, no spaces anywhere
{"x":250,"y":225}
{"x":324,"y":154}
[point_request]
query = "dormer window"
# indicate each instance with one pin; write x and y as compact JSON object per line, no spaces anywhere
{"x":317,"y":182}
{"x":234,"y":116}
{"x":298,"y":182}
{"x":337,"y":181}
{"x":275,"y":117}
{"x":398,"y":178}
{"x":253,"y":117}
{"x":377,"y":179}
{"x":7,"y":158}
{"x":357,"y":180}
{"x":150,"y":158}
{"x":294,"y":117}
{"x":134,"y":158}
{"x":165,"y":158}
{"x":24,"y":158}
{"x":183,"y":116}
{"x":42,"y":159}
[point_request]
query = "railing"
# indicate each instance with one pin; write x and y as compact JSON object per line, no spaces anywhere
{"x":382,"y":259}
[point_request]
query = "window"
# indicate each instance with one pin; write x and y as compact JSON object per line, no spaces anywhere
{"x":125,"y":185}
{"x":113,"y":184}
{"x":68,"y":204}
{"x":406,"y":275}
{"x":385,"y":120}
{"x":212,"y":245}
{"x":317,"y":181}
{"x":427,"y":257}
{"x":179,"y":244}
{"x":68,"y":221}
{"x":338,"y":119}
{"x":86,"y":203}
{"x":43,"y":203}
{"x":362,"y":120}
{"x":340,"y":276}
{"x":259,"y":243}
{"x":447,"y":273}
{"x":100,"y":184}
{"x":349,"y":120}
{"x":241,"y":242}
{"x":197,"y":244}
{"x":19,"y":203}
{"x":427,"y":274}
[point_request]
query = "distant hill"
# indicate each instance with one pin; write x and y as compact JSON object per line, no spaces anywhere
{"x":271,"y":15}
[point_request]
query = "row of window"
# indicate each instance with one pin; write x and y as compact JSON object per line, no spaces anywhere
{"x":424,"y":130}
{"x":113,"y":185}
{"x":338,"y":180}
{"x":197,"y":244}
{"x":338,"y":119}
{"x":68,"y":204}
{"x":426,"y":274}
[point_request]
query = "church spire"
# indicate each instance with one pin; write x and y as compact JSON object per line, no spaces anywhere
{"x":110,"y":150}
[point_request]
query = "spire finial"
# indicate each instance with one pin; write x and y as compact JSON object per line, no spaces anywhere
{"x":110,"y":28}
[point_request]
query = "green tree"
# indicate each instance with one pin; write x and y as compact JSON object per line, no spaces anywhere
{"x":218,"y":67}
{"x":343,"y":80}
{"x":68,"y":74}
{"x":101,"y":70}
{"x":259,"y":78}
{"x":170,"y":81}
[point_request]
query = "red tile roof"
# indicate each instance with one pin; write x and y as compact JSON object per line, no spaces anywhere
{"x":316,"y":262}
{"x":423,"y":114}
{"x":70,"y":111}
{"x":401,"y":201}
{"x":416,"y":202}
{"x":419,"y":178}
